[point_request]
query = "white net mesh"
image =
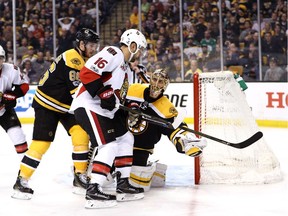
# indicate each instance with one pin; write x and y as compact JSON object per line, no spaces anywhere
{"x":224,"y":113}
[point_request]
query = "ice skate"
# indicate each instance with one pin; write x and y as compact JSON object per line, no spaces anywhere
{"x":126,"y":192}
{"x":22,"y":189}
{"x":80,"y":183}
{"x":96,"y":198}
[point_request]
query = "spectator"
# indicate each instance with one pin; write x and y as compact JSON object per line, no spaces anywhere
{"x":66,"y":22}
{"x":274,"y":73}
{"x":134,"y":18}
{"x":29,"y":55}
{"x":29,"y":72}
{"x":200,"y":27}
{"x":86,"y":20}
{"x":267,"y":28}
{"x":208,"y":41}
{"x":204,"y":56}
{"x":65,"y":42}
{"x":48,"y":41}
{"x":42,"y":45}
{"x":23,"y":48}
{"x":270,"y":47}
{"x":40,"y":65}
{"x":252,"y":66}
{"x":193,"y":69}
{"x":8,"y":31}
{"x":9,"y":52}
{"x":145,"y":6}
{"x":32,"y":40}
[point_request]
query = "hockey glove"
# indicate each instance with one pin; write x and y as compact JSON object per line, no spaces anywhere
{"x":9,"y":100}
{"x":193,"y":146}
{"x":108,"y":99}
{"x":133,"y":118}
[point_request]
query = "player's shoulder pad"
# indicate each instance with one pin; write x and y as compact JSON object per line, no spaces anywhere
{"x":112,"y":54}
{"x":164,"y":108}
{"x":136,"y":92}
{"x":11,"y":67}
{"x":73,"y":59}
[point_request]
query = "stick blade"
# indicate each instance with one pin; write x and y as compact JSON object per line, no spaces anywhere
{"x":248,"y":142}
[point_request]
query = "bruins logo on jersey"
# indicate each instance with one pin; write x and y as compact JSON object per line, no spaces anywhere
{"x":76,"y":61}
{"x":139,"y":128}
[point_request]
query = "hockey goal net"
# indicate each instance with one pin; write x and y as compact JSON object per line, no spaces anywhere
{"x":221,"y":110}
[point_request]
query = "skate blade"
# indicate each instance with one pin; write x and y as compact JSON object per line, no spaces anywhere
{"x":123,"y":197}
{"x":96,"y":204}
{"x":21,"y":195}
{"x":79,"y":191}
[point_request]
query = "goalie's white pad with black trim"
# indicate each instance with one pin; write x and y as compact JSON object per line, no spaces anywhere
{"x":141,"y":176}
{"x":159,"y":176}
{"x":153,"y":175}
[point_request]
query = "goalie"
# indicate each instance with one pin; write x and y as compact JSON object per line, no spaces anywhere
{"x":150,"y":100}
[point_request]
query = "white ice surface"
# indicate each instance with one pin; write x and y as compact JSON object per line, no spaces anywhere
{"x":52,"y":183}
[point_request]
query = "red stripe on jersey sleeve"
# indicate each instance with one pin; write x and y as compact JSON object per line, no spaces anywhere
{"x":87,"y":76}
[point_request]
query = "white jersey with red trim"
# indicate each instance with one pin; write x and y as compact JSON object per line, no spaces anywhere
{"x":10,"y":75}
{"x":109,"y":60}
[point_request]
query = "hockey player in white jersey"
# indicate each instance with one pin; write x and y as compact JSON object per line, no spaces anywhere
{"x":12,"y":86}
{"x":104,"y":83}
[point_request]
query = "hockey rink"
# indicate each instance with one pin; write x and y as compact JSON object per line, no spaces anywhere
{"x":52,"y":184}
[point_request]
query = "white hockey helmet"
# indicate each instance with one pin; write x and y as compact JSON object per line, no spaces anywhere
{"x":134,"y":35}
{"x":2,"y":52}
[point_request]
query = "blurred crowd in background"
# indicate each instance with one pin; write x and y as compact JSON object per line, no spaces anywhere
{"x":200,"y":41}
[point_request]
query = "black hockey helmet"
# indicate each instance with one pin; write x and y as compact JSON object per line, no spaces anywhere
{"x":87,"y":35}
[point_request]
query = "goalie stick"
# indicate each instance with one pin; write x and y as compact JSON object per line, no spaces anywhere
{"x":167,"y":124}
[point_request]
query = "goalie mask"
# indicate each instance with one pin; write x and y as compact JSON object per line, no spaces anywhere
{"x":159,"y":81}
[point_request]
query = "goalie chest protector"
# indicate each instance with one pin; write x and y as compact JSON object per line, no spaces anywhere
{"x":162,"y":107}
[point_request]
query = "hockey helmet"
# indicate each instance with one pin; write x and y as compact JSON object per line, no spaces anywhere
{"x":159,"y":80}
{"x":2,"y":52}
{"x":87,"y":35}
{"x":134,"y":35}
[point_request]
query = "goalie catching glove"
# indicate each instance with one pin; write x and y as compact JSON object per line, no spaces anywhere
{"x":188,"y":143}
{"x":9,"y":100}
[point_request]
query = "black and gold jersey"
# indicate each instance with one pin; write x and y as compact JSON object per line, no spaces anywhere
{"x":59,"y":82}
{"x":146,"y":134}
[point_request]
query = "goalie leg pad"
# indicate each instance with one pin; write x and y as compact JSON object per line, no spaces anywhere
{"x":159,"y":176}
{"x":141,"y":176}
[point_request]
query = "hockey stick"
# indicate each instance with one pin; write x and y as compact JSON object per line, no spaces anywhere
{"x":163,"y":123}
{"x":91,"y":155}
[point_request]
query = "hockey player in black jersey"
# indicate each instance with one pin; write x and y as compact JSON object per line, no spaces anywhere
{"x":51,"y":104}
{"x":150,"y":100}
